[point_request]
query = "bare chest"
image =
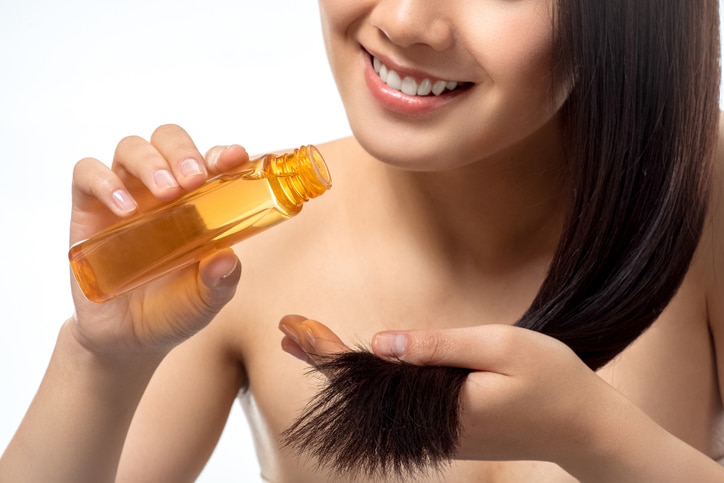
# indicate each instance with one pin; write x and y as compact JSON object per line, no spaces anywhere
{"x":669,"y":372}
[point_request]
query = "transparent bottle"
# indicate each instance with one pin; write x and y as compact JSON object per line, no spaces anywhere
{"x":225,"y":210}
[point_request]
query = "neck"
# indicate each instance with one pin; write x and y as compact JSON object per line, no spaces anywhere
{"x":493,"y":213}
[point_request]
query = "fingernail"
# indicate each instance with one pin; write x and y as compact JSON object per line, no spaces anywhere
{"x":190,"y":167}
{"x":227,"y":272}
{"x":297,"y":352}
{"x":213,"y":156}
{"x":164,"y":179}
{"x":389,"y":344}
{"x":230,"y":271}
{"x":309,"y":337}
{"x":290,"y":332}
{"x":124,"y":201}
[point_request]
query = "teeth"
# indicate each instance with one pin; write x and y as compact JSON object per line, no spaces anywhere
{"x":439,"y":87}
{"x":425,"y":88}
{"x":393,"y":80}
{"x":408,"y":85}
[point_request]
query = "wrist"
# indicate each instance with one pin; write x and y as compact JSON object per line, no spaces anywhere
{"x":74,"y":349}
{"x":623,"y":444}
{"x":608,"y":437}
{"x":602,"y":453}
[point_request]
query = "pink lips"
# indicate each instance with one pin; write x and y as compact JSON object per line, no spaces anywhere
{"x":399,"y":102}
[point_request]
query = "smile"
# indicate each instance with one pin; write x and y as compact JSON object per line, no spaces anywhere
{"x":411,"y":86}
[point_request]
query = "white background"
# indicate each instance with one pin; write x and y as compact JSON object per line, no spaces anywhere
{"x":75,"y":77}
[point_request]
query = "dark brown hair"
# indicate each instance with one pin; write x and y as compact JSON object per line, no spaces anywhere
{"x":640,"y":126}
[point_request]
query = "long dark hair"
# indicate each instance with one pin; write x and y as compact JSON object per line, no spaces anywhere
{"x":641,"y":122}
{"x":640,"y":126}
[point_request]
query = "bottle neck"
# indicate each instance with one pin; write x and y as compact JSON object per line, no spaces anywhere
{"x":301,"y":174}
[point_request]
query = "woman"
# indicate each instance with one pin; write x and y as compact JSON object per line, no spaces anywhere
{"x":560,"y":159}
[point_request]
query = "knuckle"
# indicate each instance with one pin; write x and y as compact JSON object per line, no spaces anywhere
{"x":504,"y":339}
{"x":428,"y":347}
{"x":173,"y":133}
{"x":166,"y":129}
{"x":174,"y":143}
{"x":125,"y":147}
{"x":129,"y":142}
{"x":89,"y":174}
{"x":210,"y":304}
{"x":82,"y":167}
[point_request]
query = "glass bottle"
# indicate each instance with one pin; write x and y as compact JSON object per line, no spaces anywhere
{"x":225,"y":210}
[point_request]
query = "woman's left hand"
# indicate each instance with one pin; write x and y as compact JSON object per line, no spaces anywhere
{"x":529,"y":397}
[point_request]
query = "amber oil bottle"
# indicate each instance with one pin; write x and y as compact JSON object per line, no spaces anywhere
{"x":225,"y":210}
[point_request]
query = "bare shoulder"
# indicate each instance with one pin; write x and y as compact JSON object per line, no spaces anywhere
{"x":284,"y":261}
{"x":713,"y":236}
{"x":712,"y":255}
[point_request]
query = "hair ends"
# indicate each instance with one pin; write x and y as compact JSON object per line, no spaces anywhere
{"x":378,"y":418}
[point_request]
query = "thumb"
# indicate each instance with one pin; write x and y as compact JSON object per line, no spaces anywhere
{"x":478,"y":348}
{"x":219,"y":275}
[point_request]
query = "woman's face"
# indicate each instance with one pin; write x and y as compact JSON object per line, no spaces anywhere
{"x":489,"y":61}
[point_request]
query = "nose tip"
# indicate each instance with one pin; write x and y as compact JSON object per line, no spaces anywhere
{"x":434,"y":37}
{"x":409,"y":22}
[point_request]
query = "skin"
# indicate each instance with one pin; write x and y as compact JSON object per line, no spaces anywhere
{"x":446,"y":235}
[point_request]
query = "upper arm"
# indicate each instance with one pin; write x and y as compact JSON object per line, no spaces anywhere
{"x":184,"y":409}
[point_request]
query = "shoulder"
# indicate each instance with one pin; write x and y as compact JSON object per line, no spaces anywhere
{"x":710,"y":257}
{"x":712,"y":243}
{"x":282,"y":262}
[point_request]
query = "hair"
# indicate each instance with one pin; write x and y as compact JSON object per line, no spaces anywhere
{"x":640,"y":128}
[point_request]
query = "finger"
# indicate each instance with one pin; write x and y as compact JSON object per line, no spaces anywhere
{"x":198,"y":292}
{"x":290,"y":325}
{"x":314,"y":338}
{"x":290,"y":346}
{"x":94,"y":182}
{"x":185,"y":160}
{"x":484,"y":348}
{"x":139,"y":163}
{"x":322,"y":341}
{"x":219,"y":275}
{"x":222,"y":159}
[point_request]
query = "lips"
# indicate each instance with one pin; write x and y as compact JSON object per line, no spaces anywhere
{"x":407,"y":92}
{"x":412,"y":86}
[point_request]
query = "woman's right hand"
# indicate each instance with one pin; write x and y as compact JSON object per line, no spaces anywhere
{"x":155,"y":318}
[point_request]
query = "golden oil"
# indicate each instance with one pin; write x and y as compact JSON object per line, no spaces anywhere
{"x":225,"y":210}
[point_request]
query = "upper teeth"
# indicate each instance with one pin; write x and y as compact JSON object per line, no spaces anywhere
{"x":408,"y":85}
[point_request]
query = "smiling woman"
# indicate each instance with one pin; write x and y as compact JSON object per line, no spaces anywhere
{"x":639,"y":185}
{"x":472,"y":52}
{"x":512,"y":167}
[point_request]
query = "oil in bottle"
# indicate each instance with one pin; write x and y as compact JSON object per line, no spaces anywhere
{"x":225,"y":210}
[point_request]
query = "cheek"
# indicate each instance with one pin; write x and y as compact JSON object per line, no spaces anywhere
{"x":514,"y":46}
{"x":515,"y":52}
{"x":339,"y":19}
{"x":338,"y":15}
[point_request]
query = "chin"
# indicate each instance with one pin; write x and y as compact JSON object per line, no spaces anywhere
{"x":412,"y":151}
